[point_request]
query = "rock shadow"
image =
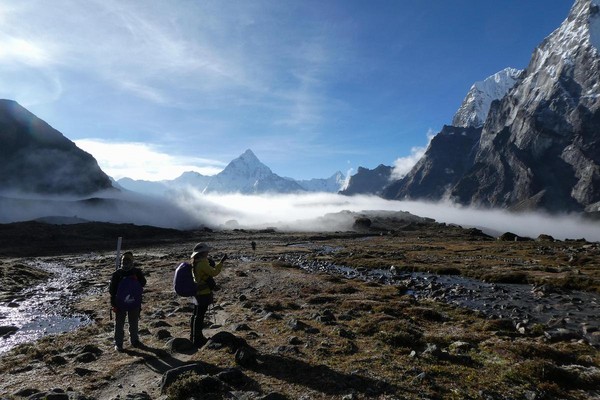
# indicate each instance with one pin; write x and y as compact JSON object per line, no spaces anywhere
{"x":319,"y":377}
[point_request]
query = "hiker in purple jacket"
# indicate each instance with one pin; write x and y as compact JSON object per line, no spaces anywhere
{"x":126,"y":287}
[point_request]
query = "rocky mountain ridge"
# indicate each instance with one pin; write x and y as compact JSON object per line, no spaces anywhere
{"x":476,"y":105}
{"x":37,"y":159}
{"x":368,"y":181}
{"x":540,"y":144}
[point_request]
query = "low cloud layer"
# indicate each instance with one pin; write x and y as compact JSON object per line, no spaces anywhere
{"x":303,"y":212}
{"x":190,"y":209}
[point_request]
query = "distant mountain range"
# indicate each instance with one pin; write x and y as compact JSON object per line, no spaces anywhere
{"x":245,"y":174}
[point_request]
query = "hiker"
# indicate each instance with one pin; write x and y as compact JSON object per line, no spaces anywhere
{"x":126,"y":286}
{"x":203,"y":272}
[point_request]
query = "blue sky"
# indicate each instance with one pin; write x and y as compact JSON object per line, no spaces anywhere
{"x":155,"y":88}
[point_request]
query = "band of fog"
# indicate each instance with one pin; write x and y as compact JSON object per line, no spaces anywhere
{"x":190,"y":209}
{"x":303,"y":212}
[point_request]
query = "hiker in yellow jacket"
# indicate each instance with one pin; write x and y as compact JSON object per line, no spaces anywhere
{"x":203,"y":273}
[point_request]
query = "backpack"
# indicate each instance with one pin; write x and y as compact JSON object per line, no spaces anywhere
{"x":129,"y":293}
{"x":183,"y":281}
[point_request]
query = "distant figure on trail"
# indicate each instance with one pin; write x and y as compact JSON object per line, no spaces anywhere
{"x":126,"y":288}
{"x":203,"y":272}
{"x":253,"y":244}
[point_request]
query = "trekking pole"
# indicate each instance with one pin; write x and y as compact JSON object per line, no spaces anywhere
{"x":119,"y":242}
{"x":214,"y":314}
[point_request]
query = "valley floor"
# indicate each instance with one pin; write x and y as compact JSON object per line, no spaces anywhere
{"x":288,"y":333}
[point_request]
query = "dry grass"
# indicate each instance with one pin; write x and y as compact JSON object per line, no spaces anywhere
{"x":380,"y":343}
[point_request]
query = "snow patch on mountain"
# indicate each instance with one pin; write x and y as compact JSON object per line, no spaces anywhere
{"x":247,"y":175}
{"x":333,"y":184}
{"x":476,"y":105}
{"x":595,"y":24}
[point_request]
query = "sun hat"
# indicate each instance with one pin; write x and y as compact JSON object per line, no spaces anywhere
{"x":200,"y":248}
{"x":127,"y":260}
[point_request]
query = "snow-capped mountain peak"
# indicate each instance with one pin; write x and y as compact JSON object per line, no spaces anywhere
{"x":247,"y":174}
{"x":248,"y":166}
{"x":476,"y":105}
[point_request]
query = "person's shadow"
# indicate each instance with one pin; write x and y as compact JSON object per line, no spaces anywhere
{"x":161,"y":361}
{"x":319,"y":377}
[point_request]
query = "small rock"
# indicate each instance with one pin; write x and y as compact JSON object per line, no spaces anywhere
{"x":57,"y":360}
{"x":180,"y":345}
{"x":270,"y":315}
{"x":460,"y":347}
{"x":560,"y":335}
{"x":241,"y":327}
{"x":8,"y":330}
{"x":245,"y":356}
{"x":83,"y":371}
{"x":419,"y":378}
{"x":26,"y":392}
{"x":86,"y":358}
{"x":171,"y":375}
{"x":297,"y":325}
{"x":295,"y":341}
{"x":233,"y":376}
{"x":160,"y":324}
{"x":162,"y":334}
{"x":273,"y":396}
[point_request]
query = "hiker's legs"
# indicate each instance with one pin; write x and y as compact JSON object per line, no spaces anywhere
{"x":133,"y":317}
{"x":197,"y":320}
{"x":120,"y":327}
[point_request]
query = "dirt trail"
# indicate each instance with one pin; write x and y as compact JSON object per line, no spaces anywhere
{"x":145,"y":371}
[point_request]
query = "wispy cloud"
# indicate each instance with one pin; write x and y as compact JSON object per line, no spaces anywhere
{"x":403,"y":165}
{"x":143,"y":161}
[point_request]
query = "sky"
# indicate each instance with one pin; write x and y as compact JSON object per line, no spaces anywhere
{"x":154,"y":88}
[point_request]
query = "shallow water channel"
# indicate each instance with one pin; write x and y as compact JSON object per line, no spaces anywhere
{"x":43,"y":309}
{"x":569,"y":311}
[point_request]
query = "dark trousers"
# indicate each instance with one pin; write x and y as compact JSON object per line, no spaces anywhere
{"x":133,"y":317}
{"x":197,"y":320}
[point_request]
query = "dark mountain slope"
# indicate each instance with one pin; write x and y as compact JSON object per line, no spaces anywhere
{"x":36,"y":158}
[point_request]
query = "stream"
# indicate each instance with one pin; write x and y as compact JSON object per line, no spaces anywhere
{"x":565,"y":314}
{"x":43,"y":309}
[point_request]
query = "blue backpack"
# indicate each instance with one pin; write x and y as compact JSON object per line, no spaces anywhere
{"x":129,"y":293}
{"x":183,"y":281}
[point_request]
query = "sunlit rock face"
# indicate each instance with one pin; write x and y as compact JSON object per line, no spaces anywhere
{"x":476,"y":105}
{"x":540,"y":144}
{"x":37,"y":159}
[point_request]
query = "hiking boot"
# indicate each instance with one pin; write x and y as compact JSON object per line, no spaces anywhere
{"x":119,"y":348}
{"x":200,"y":342}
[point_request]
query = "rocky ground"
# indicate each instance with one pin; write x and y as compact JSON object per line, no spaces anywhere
{"x":295,"y":318}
